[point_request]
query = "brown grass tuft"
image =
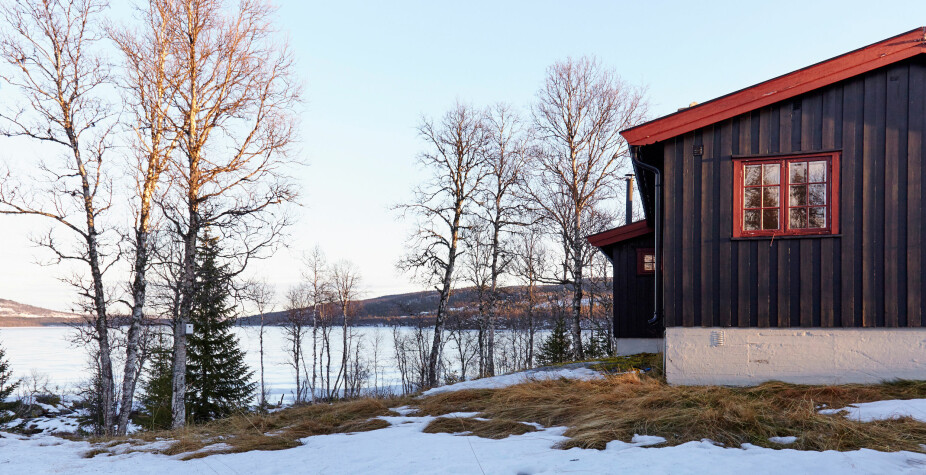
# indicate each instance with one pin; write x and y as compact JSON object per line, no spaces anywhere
{"x":594,"y":412}
{"x":616,"y":408}
{"x":470,"y":400}
{"x":93,"y":453}
{"x":276,"y":431}
{"x":489,"y":429}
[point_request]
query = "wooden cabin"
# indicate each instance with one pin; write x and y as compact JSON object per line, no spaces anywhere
{"x":787,"y":222}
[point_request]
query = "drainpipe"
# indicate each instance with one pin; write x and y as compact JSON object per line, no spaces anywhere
{"x":657,"y":217}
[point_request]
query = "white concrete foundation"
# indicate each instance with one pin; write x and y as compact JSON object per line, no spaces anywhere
{"x":633,"y":346}
{"x":746,"y":356}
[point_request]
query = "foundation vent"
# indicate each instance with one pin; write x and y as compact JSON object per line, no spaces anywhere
{"x":717,"y":338}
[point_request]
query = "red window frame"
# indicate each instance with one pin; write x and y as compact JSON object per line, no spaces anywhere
{"x":784,"y":229}
{"x":641,"y":260}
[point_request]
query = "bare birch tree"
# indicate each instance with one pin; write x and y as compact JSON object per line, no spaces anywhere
{"x":477,"y":271}
{"x":147,"y":92}
{"x":318,"y":287}
{"x":578,"y":115}
{"x":530,"y":266}
{"x":233,"y":113}
{"x":345,"y":283}
{"x":456,"y":160}
{"x":261,"y":294}
{"x":501,"y":206}
{"x":48,"y":48}
{"x":297,"y":320}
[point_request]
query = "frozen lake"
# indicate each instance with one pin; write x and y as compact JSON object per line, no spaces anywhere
{"x":48,"y":351}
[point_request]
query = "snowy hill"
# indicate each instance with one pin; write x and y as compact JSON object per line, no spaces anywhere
{"x":15,"y":314}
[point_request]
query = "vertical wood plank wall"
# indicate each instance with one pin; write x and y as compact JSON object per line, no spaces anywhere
{"x":633,"y":294}
{"x":871,"y":275}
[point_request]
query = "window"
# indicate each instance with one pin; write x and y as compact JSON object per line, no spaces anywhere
{"x":792,"y":195}
{"x":646,"y":261}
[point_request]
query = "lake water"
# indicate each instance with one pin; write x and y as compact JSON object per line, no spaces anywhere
{"x":48,"y":351}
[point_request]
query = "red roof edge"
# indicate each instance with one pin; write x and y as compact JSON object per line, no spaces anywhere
{"x":812,"y":77}
{"x":622,"y":233}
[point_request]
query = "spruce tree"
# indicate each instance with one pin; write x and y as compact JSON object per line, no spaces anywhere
{"x":7,"y":383}
{"x":557,"y":347}
{"x":157,"y":388}
{"x":218,"y":380}
{"x":597,"y":345}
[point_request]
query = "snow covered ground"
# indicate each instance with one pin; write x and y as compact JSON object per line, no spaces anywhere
{"x":495,"y":382}
{"x":881,"y":410}
{"x":403,"y":449}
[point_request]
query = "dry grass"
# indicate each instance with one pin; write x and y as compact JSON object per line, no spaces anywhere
{"x":594,"y":412}
{"x":616,"y":408}
{"x":276,"y":431}
{"x":489,"y":429}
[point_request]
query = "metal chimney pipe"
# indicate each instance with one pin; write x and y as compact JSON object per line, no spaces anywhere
{"x":628,"y":213}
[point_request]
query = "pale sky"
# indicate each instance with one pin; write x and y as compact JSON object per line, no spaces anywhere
{"x":371,"y":69}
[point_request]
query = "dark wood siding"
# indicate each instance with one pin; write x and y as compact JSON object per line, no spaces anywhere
{"x":633,"y":293}
{"x":869,"y":275}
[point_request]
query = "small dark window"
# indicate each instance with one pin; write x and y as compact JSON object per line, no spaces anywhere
{"x":646,"y":261}
{"x":791,"y":195}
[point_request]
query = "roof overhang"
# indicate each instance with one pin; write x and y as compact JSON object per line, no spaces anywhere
{"x":860,"y":61}
{"x":622,"y":233}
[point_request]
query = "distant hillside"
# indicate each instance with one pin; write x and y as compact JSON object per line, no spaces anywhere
{"x":405,"y":309}
{"x":419,"y":307}
{"x":15,"y":314}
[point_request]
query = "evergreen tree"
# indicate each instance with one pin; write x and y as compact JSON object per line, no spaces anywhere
{"x":218,"y":380}
{"x":557,"y":347}
{"x":156,"y":388}
{"x":7,"y":383}
{"x":598,"y":344}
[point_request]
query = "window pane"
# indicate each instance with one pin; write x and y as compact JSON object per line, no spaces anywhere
{"x":798,"y":195}
{"x":817,"y":195}
{"x":798,"y":218}
{"x":753,"y":175}
{"x":751,"y":220}
{"x":817,"y":172}
{"x":818,"y":217}
{"x":770,"y":219}
{"x":649,"y":258}
{"x":770,"y":196}
{"x":798,"y":172}
{"x":771,"y":174}
{"x":752,"y":198}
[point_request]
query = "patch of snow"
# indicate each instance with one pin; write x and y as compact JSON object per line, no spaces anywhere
{"x":882,"y":410}
{"x":53,"y":424}
{"x":156,"y":446}
{"x":405,"y":449}
{"x":645,"y":440}
{"x":785,"y":440}
{"x":403,"y":410}
{"x":13,"y":423}
{"x":47,"y":407}
{"x":209,"y":448}
{"x":461,"y":415}
{"x":496,"y":382}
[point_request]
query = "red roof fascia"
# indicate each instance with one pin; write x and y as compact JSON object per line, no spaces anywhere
{"x":828,"y":72}
{"x":619,"y":234}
